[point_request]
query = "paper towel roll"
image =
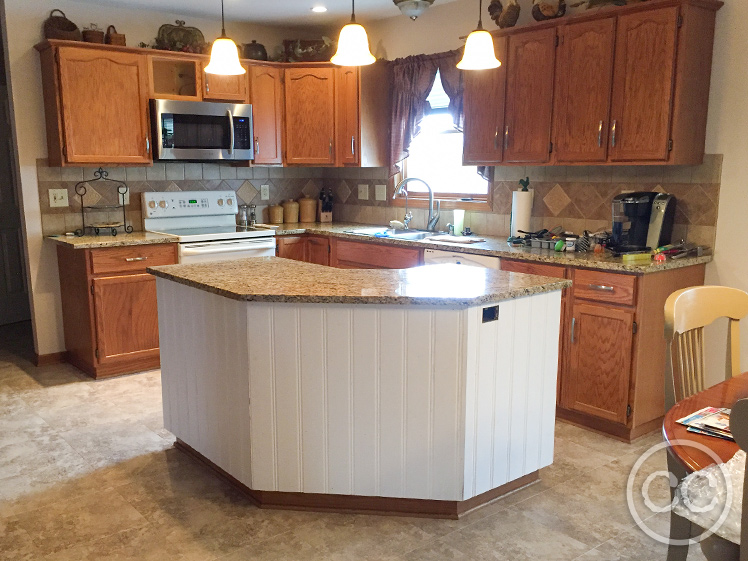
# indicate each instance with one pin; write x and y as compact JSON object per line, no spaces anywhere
{"x":459,"y":221}
{"x":521,"y":211}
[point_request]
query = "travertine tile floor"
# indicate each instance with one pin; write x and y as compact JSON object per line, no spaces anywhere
{"x":87,"y":472}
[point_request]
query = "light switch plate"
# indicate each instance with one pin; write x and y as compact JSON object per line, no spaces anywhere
{"x":58,"y":198}
{"x":363,"y":192}
{"x":380,"y":192}
{"x":265,"y":192}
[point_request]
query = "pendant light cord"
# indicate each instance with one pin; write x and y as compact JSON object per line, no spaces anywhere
{"x":480,"y":14}
{"x":353,"y":11}
{"x":223,"y":23}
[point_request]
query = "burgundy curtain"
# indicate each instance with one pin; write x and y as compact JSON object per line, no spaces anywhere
{"x":412,"y":80}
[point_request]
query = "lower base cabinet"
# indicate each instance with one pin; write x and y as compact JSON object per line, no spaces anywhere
{"x":109,"y":307}
{"x":312,"y":249}
{"x":346,"y":254}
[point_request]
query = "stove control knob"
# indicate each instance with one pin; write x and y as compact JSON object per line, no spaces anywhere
{"x":220,"y":202}
{"x":230,"y":202}
{"x":163,"y":204}
{"x":151,"y":204}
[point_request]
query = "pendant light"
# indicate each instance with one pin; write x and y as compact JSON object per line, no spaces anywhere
{"x":224,"y":58}
{"x":353,"y":44}
{"x":479,"y":51}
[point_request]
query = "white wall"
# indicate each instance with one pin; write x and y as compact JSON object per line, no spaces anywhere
{"x":23,"y":19}
{"x":441,"y":26}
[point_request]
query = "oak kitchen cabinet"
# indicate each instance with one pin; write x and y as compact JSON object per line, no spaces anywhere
{"x":484,"y":112}
{"x":291,"y":247}
{"x":224,"y":88}
{"x":529,"y":96}
{"x":309,"y":248}
{"x":109,"y":307}
{"x":266,"y":96}
{"x":631,"y":86}
{"x":96,"y":106}
{"x":346,"y":254}
{"x":347,"y":118}
{"x":310,"y":115}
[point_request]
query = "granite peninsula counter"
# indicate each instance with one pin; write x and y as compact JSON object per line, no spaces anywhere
{"x":426,"y":391}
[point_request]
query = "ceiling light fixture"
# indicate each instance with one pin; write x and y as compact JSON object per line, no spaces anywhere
{"x":353,"y":44}
{"x":413,"y":8}
{"x":224,"y":57}
{"x":479,"y":51}
{"x":319,"y":9}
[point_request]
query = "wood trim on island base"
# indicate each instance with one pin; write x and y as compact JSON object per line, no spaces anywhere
{"x":353,"y":504}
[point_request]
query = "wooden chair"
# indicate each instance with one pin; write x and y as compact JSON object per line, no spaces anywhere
{"x":687,"y":312}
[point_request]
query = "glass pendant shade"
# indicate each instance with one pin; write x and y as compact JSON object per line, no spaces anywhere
{"x":353,"y":47}
{"x":224,"y":58}
{"x":479,"y":52}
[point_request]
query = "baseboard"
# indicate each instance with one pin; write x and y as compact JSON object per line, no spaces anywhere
{"x":51,"y":358}
{"x":355,"y":504}
{"x":608,"y":428}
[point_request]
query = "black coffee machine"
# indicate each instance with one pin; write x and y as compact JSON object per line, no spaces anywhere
{"x":642,"y":220}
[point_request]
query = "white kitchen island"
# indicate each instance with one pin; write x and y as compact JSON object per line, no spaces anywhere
{"x":426,"y":391}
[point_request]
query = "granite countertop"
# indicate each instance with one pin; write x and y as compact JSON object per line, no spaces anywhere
{"x":498,"y":247}
{"x":272,"y":279}
{"x":95,"y":242}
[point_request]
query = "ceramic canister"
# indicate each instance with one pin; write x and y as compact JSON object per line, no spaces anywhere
{"x":307,"y":209}
{"x":275,"y":214}
{"x":290,"y":211}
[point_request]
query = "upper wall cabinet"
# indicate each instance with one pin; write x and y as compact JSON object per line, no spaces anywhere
{"x":631,"y":86}
{"x":484,"y":112}
{"x":96,"y":106}
{"x":224,"y":88}
{"x":266,"y":96}
{"x":175,"y":77}
{"x":347,"y":119}
{"x":529,"y":97}
{"x":584,"y":74}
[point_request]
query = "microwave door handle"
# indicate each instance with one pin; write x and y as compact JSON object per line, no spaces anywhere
{"x":232,"y":139}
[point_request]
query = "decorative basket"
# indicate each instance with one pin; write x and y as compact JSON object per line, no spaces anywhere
{"x":60,"y":27}
{"x":93,"y":34}
{"x":114,"y":38}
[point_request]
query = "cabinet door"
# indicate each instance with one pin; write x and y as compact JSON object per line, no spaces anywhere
{"x":292,"y":247}
{"x":484,"y":112}
{"x":224,"y":88}
{"x":310,"y":116}
{"x":348,"y":122}
{"x":318,"y":250}
{"x":600,"y":361}
{"x":267,"y":113}
{"x":357,"y":255}
{"x":643,"y":85}
{"x":584,"y":74}
{"x":529,"y":96}
{"x":126,"y":318}
{"x":104,"y":105}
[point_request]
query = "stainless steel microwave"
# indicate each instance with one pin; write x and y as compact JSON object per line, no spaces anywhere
{"x":202,"y":130}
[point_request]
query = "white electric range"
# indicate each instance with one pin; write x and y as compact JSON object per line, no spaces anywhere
{"x":205,"y":223}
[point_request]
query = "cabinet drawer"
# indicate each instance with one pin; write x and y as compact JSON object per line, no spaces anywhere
{"x":132,"y":258}
{"x":605,"y":287}
{"x":532,"y":268}
{"x":375,"y":256}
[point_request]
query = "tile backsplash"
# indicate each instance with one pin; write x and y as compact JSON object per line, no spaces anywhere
{"x":575,"y":197}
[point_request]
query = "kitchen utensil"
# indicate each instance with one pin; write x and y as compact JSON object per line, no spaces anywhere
{"x":60,"y":27}
{"x":290,"y":211}
{"x":275,"y":214}
{"x":307,"y":209}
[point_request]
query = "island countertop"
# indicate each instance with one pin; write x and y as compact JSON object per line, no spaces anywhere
{"x":273,"y":279}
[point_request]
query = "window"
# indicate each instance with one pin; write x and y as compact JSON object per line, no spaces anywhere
{"x":436,"y":155}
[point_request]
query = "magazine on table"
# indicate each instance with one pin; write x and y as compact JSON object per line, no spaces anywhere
{"x":711,"y":421}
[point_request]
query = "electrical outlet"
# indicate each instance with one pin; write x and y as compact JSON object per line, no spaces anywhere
{"x":363,"y":192}
{"x":265,"y":192}
{"x":380,"y":192}
{"x":58,"y":198}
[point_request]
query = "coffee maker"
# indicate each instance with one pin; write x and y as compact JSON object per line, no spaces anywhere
{"x":642,"y":220}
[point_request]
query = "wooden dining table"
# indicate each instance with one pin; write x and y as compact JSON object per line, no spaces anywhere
{"x":724,"y":394}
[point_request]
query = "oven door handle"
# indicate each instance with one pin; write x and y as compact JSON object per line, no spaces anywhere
{"x":230,"y":247}
{"x":232,"y":139}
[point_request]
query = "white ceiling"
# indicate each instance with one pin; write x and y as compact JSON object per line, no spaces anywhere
{"x":271,"y":12}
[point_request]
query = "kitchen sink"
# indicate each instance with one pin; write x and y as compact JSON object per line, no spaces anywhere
{"x":391,"y":233}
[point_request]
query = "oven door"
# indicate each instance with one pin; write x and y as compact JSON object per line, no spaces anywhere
{"x":201,"y":130}
{"x":203,"y":252}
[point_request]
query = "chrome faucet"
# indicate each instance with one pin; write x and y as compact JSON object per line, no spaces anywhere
{"x":433,"y":217}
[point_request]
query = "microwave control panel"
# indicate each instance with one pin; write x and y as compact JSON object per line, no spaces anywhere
{"x":188,"y":203}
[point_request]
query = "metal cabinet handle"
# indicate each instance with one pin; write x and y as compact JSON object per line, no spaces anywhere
{"x":353,"y":146}
{"x":147,"y":145}
{"x":257,"y":145}
{"x":602,"y":288}
{"x":496,"y":138}
{"x":573,"y":327}
{"x":600,"y":134}
{"x":506,"y":137}
{"x":613,"y":133}
{"x":207,"y":85}
{"x":131,"y":259}
{"x":331,"y":147}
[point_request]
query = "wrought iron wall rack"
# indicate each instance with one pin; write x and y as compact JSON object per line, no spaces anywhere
{"x":81,"y":188}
